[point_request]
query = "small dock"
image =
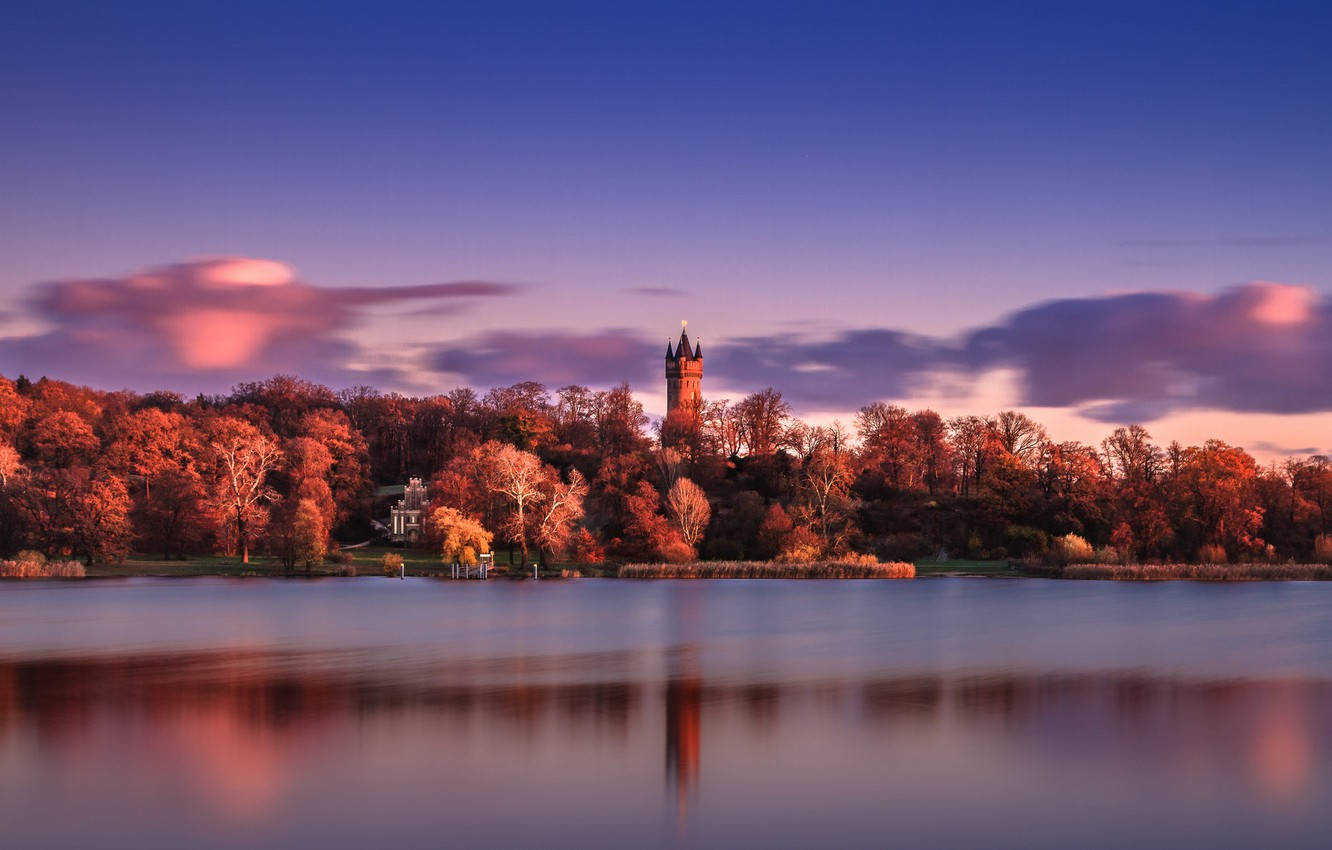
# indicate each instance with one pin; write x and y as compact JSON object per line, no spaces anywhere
{"x":480,"y":571}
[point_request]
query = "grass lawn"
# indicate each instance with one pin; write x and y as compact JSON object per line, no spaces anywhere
{"x":929,"y":567}
{"x":366,"y":561}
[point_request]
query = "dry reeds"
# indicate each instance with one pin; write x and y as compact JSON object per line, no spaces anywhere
{"x":1199,"y":572}
{"x":770,"y":569}
{"x":41,"y":569}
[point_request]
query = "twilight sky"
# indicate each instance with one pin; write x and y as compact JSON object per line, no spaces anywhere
{"x":1099,"y":212}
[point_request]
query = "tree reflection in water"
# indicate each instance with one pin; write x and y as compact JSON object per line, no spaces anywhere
{"x":241,"y":730}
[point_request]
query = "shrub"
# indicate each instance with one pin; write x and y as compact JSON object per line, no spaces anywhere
{"x":802,"y":546}
{"x":902,"y":546}
{"x":1071,"y":549}
{"x":858,"y":559}
{"x":676,"y":551}
{"x":30,"y":556}
{"x":1211,"y":553}
{"x":566,"y":573}
{"x":1108,"y":555}
{"x":1023,"y":540}
{"x":346,"y":569}
{"x":391,"y":563}
{"x":1322,"y":549}
{"x":340,"y":556}
{"x":585,"y":548}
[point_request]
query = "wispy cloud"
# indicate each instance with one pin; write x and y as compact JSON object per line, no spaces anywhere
{"x":657,"y":291}
{"x":556,"y":358}
{"x":1273,"y":448}
{"x":1222,"y":242}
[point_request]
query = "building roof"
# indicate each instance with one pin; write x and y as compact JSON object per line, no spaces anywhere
{"x":684,"y":349}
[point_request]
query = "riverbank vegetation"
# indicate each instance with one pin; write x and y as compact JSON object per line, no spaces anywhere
{"x":771,"y":569}
{"x":1196,"y":572}
{"x":35,"y":565}
{"x":290,"y":474}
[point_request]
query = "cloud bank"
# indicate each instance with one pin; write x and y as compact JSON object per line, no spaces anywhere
{"x":206,"y":324}
{"x":1261,"y":347}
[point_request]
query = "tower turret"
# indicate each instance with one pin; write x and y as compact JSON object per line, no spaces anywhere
{"x":684,"y":376}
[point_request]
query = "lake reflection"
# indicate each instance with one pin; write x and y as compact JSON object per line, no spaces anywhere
{"x":608,"y":714}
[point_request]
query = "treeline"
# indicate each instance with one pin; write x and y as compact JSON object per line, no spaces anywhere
{"x":291,"y":467}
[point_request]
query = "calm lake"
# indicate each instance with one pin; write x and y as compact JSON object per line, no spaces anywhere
{"x":948,"y":713}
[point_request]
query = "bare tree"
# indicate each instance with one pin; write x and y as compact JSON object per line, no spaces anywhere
{"x":244,"y":458}
{"x":826,"y":480}
{"x":518,"y":476}
{"x":762,"y":420}
{"x":671,"y":465}
{"x":688,"y":506}
{"x":9,"y":463}
{"x":562,"y":508}
{"x":1020,"y":436}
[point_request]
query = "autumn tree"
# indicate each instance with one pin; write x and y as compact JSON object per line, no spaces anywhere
{"x":78,"y":510}
{"x":458,"y":538}
{"x":61,"y":439}
{"x":146,"y":443}
{"x":348,"y":470}
{"x":888,"y":440}
{"x":647,"y":533}
{"x":1219,"y":483}
{"x":774,"y":531}
{"x":176,"y":515}
{"x":13,"y":409}
{"x":931,"y":452}
{"x":761,"y":418}
{"x":309,"y":534}
{"x":619,"y":421}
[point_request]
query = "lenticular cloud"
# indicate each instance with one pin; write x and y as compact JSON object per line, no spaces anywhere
{"x":206,"y":322}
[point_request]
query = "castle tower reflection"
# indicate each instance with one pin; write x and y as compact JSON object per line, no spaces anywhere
{"x":684,"y":706}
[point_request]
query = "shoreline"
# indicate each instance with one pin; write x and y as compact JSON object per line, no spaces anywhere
{"x":421,"y":566}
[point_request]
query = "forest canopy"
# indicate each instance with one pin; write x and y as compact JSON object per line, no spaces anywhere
{"x":292,"y":468}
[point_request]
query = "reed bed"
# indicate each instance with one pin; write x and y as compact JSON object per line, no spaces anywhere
{"x":769,"y":569}
{"x":41,"y":569}
{"x":1199,"y":572}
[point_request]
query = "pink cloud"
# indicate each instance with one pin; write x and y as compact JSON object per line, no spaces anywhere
{"x":206,"y":322}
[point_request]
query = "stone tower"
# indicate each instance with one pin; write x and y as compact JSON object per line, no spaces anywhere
{"x":684,"y":377}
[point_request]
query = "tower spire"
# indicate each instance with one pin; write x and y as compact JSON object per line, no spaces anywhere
{"x":684,"y":375}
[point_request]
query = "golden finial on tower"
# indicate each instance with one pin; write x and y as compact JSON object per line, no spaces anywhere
{"x":684,"y":323}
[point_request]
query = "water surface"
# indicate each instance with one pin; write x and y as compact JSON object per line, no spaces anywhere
{"x":932,"y":713}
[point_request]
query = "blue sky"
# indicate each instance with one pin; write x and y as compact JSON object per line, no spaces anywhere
{"x":816,"y":168}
